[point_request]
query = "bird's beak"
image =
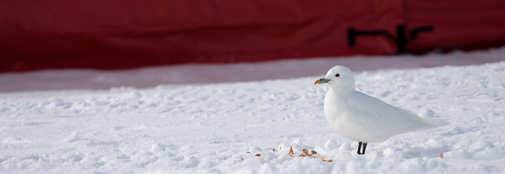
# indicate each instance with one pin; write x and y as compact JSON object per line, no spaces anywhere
{"x":322,"y":80}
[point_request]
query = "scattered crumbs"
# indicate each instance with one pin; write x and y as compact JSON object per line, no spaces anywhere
{"x":323,"y":158}
{"x":280,"y":148}
{"x":441,"y":156}
{"x":257,"y":154}
{"x":273,"y":150}
{"x":192,"y":157}
{"x":290,"y":151}
{"x":313,"y":152}
{"x":242,"y":158}
{"x":52,"y":153}
{"x":249,"y":152}
{"x":304,"y":153}
{"x":214,"y":142}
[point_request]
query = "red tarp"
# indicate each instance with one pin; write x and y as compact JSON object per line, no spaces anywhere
{"x":461,"y":24}
{"x":120,"y":34}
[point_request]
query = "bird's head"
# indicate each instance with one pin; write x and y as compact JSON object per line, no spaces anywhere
{"x":339,"y":78}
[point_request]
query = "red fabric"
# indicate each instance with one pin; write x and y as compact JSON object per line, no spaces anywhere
{"x":119,"y":34}
{"x":130,"y":33}
{"x":459,"y":24}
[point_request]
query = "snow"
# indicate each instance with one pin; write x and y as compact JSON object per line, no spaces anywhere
{"x":210,"y":128}
{"x":78,"y":79}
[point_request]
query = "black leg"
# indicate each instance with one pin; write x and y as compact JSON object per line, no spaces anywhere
{"x":359,"y":148}
{"x":364,"y":148}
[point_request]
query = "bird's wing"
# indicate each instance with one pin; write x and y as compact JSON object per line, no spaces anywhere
{"x":381,"y":118}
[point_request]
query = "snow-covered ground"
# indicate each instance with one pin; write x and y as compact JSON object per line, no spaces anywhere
{"x":78,"y":79}
{"x":219,"y":128}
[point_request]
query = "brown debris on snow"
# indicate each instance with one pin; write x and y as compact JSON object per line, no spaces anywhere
{"x":290,"y":151}
{"x":323,"y":158}
{"x":441,"y":156}
{"x":304,"y":153}
{"x":258,"y":155}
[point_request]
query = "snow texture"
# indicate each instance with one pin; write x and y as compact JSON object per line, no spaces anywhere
{"x":249,"y":127}
{"x":79,"y":79}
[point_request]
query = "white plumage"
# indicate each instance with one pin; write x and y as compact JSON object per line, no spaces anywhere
{"x":360,"y":117}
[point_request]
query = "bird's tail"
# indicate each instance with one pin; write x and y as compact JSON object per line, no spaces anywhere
{"x":422,"y":124}
{"x":429,"y":122}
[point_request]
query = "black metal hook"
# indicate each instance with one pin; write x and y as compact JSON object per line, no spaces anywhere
{"x":400,"y":38}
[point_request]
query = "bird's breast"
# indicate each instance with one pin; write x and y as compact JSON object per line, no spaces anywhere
{"x":334,"y":107}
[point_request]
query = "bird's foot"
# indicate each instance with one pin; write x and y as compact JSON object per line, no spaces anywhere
{"x":359,"y":148}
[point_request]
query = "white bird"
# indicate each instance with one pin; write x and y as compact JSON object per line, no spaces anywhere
{"x":362,"y":118}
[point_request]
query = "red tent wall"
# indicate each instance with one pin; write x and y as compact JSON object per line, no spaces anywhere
{"x":460,"y":24}
{"x":129,"y":34}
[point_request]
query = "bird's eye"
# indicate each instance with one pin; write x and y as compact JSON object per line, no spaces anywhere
{"x":337,"y":75}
